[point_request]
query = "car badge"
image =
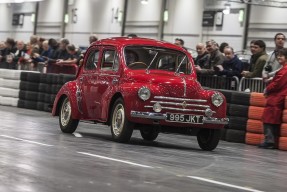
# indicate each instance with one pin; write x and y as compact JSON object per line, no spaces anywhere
{"x":184,"y":105}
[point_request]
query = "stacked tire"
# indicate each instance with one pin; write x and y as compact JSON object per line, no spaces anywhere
{"x":38,"y":90}
{"x":254,"y":128}
{"x":237,"y":113}
{"x":283,"y":129}
{"x":9,"y":87}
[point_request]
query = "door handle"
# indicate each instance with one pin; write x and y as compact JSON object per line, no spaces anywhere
{"x":115,"y":80}
{"x":81,"y":79}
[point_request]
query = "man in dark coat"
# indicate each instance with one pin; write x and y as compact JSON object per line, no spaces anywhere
{"x":202,"y":56}
{"x":232,"y":66}
{"x":216,"y":58}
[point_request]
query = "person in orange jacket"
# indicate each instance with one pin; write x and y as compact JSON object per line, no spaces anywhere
{"x":275,"y":93}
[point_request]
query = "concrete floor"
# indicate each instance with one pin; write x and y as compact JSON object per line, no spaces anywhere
{"x":35,"y":156}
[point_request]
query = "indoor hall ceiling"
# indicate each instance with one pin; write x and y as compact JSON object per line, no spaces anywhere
{"x":268,"y":3}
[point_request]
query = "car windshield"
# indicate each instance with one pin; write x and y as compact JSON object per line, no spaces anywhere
{"x":156,"y":58}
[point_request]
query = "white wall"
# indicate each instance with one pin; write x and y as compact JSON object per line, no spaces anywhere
{"x":94,"y":17}
{"x":143,"y":20}
{"x":185,"y":18}
{"x":50,"y":18}
{"x":232,"y":31}
{"x":184,"y":21}
{"x":5,"y":22}
{"x":265,"y":22}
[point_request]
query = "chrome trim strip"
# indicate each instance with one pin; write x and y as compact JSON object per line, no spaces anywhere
{"x":184,"y":84}
{"x":214,"y":120}
{"x":178,"y":109}
{"x":179,"y":104}
{"x":148,"y":115}
{"x":180,"y":99}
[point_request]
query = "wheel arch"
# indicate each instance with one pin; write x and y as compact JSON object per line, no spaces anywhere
{"x":58,"y":105}
{"x":113,"y":99}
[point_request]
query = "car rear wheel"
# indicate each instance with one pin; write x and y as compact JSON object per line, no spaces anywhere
{"x":208,"y":139}
{"x":121,"y":128}
{"x":149,"y":134}
{"x":67,"y":123}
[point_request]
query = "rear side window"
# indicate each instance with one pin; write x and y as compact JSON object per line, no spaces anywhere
{"x":110,"y":60}
{"x":92,"y":60}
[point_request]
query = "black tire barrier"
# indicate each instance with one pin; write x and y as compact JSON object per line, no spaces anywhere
{"x":34,"y":77}
{"x":55,"y":89}
{"x":52,"y":78}
{"x":237,"y":123}
{"x":28,"y":95}
{"x":43,"y":78}
{"x":240,"y":98}
{"x":40,"y":106}
{"x":41,"y":97}
{"x":235,"y":136}
{"x":24,"y":75}
{"x":238,"y":110}
{"x":27,"y":104}
{"x":43,"y":87}
{"x":227,"y":94}
{"x":29,"y":86}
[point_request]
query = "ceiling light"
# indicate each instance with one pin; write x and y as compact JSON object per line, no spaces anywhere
{"x":18,"y":1}
{"x":144,"y":2}
{"x":227,"y":8}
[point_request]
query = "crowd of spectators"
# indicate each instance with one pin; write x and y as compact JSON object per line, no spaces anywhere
{"x":221,"y":60}
{"x":39,"y":54}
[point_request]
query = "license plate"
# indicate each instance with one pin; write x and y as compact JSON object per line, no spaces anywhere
{"x":183,"y":118}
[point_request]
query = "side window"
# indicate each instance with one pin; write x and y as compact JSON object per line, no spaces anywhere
{"x":92,"y":60}
{"x":110,"y":60}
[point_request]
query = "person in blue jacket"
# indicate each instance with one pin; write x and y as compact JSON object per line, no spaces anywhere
{"x":232,"y":66}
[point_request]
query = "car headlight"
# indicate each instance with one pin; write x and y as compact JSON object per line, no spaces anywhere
{"x":144,"y":93}
{"x":216,"y":99}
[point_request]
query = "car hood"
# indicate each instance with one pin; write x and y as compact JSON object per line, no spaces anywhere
{"x":176,"y":85}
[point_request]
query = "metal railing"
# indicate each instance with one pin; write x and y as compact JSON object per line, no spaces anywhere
{"x":252,"y":85}
{"x":232,"y":83}
{"x":219,"y":82}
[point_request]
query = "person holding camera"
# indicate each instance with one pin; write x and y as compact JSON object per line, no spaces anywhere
{"x":272,"y":65}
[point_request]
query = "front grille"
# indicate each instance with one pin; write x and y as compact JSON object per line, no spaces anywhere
{"x":179,"y":104}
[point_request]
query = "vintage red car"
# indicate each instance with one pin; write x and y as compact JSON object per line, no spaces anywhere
{"x":145,"y":84}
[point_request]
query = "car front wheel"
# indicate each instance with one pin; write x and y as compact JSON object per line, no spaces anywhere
{"x":208,"y":139}
{"x":121,"y":128}
{"x":67,"y":123}
{"x":149,"y":134}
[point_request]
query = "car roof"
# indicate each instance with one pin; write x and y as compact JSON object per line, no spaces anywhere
{"x":124,"y":41}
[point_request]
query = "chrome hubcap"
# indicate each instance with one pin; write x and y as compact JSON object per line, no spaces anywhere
{"x":65,"y":113}
{"x":118,"y":119}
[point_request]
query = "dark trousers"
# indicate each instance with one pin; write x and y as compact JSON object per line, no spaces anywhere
{"x":271,"y":133}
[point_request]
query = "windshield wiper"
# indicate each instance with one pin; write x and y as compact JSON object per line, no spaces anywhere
{"x":177,"y":69}
{"x":147,"y":69}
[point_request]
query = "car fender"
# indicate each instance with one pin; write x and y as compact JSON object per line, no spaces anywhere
{"x":68,"y":90}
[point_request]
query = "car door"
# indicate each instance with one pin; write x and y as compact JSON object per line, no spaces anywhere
{"x":88,"y":84}
{"x":108,"y":80}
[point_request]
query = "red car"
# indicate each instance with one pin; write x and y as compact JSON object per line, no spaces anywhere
{"x":138,"y":83}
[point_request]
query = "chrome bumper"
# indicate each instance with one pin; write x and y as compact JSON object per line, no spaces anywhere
{"x":160,"y":116}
